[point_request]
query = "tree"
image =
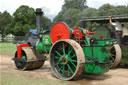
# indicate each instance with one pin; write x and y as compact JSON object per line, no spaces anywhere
{"x":46,"y":22}
{"x":107,"y":10}
{"x":24,"y":20}
{"x":5,"y":19}
{"x":89,"y":12}
{"x":70,"y":12}
{"x":76,"y":4}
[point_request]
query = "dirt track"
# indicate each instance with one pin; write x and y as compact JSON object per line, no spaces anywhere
{"x":113,"y":77}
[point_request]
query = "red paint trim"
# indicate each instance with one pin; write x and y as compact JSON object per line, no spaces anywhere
{"x":19,"y":49}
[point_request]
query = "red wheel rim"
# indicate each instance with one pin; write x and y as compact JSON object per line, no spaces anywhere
{"x":59,"y":31}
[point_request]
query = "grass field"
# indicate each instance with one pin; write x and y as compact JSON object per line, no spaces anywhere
{"x":7,"y":48}
{"x":17,"y":79}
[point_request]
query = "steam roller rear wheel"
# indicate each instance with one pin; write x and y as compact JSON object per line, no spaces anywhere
{"x":29,"y":60}
{"x":67,"y":59}
{"x":116,"y":55}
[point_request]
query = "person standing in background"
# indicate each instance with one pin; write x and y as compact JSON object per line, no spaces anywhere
{"x":125,"y":35}
{"x":125,"y":31}
{"x":118,"y":29}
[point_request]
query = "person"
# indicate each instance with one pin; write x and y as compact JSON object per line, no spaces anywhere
{"x":125,"y":35}
{"x":118,"y":29}
{"x":125,"y":31}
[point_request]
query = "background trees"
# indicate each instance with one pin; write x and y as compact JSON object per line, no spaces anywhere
{"x":5,"y":19}
{"x":23,"y":19}
{"x":73,"y":10}
{"x":70,"y":12}
{"x":107,"y":10}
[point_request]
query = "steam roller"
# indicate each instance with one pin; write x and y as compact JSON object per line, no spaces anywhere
{"x":72,"y":51}
{"x":27,"y":57}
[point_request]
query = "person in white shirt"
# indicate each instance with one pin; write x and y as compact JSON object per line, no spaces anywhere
{"x":125,"y":35}
{"x":125,"y":31}
{"x":118,"y":29}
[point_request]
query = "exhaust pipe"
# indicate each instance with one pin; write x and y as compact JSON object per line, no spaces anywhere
{"x":39,"y":14}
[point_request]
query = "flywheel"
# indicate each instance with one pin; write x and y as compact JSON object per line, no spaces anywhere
{"x":59,"y":31}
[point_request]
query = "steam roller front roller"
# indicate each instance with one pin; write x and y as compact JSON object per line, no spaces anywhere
{"x":30,"y":59}
{"x":66,"y":59}
{"x":116,"y":55}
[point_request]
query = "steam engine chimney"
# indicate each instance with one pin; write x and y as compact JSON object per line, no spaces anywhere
{"x":38,"y":13}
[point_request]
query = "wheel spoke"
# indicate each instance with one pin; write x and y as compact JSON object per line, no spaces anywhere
{"x":57,"y":63}
{"x":70,"y":68}
{"x":68,"y":72}
{"x":69,"y":52}
{"x":63,"y":49}
{"x":73,"y":60}
{"x":73,"y":56}
{"x":73,"y":64}
{"x":58,"y":53}
{"x":112,"y":58}
{"x":60,"y":68}
{"x":63,"y":70}
{"x":69,"y":48}
{"x":57,"y":57}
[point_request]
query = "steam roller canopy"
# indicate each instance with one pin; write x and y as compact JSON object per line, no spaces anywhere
{"x":59,"y":31}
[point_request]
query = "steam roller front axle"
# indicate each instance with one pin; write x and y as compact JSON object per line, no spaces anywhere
{"x":30,"y":59}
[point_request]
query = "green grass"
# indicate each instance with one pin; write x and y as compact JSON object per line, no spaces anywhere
{"x":17,"y":79}
{"x":7,"y":48}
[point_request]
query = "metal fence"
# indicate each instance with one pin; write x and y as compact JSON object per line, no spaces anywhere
{"x":13,"y":38}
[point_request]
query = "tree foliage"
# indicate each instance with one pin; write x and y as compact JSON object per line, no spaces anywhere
{"x":46,"y":22}
{"x":5,"y":19}
{"x":89,"y":12}
{"x":107,"y":10}
{"x":75,"y":4}
{"x":24,"y":20}
{"x":73,"y":10}
{"x":70,"y":12}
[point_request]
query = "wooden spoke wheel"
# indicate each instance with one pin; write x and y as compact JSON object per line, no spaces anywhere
{"x":67,"y":59}
{"x":116,"y":55}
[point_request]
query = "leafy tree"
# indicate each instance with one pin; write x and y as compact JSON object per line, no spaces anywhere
{"x":89,"y":12}
{"x":70,"y":12}
{"x":121,"y":10}
{"x":76,"y":4}
{"x":5,"y":19}
{"x":107,"y":10}
{"x":46,"y":22}
{"x":24,"y":20}
{"x":71,"y":17}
